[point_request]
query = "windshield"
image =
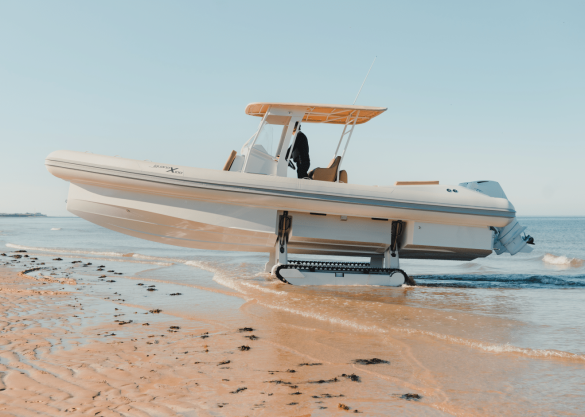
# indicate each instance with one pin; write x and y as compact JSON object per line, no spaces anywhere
{"x":268,"y":139}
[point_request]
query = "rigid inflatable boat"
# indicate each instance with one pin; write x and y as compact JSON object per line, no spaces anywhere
{"x":251,"y":205}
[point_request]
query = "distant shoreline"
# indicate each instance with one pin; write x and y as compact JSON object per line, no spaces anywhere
{"x":22,"y":215}
{"x":47,"y":216}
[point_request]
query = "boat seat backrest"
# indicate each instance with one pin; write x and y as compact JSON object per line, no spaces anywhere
{"x":326,"y":174}
{"x":334,"y":161}
{"x":230,"y":161}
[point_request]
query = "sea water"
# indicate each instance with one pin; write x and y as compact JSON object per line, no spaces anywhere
{"x":529,"y":306}
{"x":544,"y":289}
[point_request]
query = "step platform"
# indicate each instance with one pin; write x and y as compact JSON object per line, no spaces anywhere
{"x":339,"y":273}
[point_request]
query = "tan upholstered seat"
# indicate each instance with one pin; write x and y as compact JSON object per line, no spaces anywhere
{"x":326,"y":174}
{"x":230,"y":161}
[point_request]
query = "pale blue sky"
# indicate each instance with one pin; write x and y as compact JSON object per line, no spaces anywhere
{"x":474,"y":90}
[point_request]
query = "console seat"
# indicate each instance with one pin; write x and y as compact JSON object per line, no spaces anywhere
{"x":329,"y":173}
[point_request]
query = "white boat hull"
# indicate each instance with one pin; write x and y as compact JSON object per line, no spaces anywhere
{"x":173,"y":221}
{"x":220,"y":210}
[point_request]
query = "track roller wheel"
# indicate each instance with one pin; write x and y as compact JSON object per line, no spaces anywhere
{"x":276,"y":272}
{"x":399,"y":277}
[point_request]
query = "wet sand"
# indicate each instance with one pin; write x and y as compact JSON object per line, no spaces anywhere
{"x":91,"y":347}
{"x":65,"y":353}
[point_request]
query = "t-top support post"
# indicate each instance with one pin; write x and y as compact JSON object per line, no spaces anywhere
{"x":346,"y":143}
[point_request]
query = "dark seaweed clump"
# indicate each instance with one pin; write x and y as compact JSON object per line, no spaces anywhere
{"x":325,"y":381}
{"x":352,"y":377}
{"x":373,"y":361}
{"x":246,"y":329}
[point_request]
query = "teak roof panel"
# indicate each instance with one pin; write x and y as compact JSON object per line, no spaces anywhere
{"x":321,"y":113}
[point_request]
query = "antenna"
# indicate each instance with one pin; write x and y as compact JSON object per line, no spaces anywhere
{"x":358,"y":94}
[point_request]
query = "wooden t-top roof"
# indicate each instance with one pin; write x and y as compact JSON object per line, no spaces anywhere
{"x":321,"y":113}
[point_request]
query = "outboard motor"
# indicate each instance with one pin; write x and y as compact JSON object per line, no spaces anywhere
{"x":510,"y":239}
{"x":506,"y":239}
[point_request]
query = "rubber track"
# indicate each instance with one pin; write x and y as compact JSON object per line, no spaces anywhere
{"x":315,"y":266}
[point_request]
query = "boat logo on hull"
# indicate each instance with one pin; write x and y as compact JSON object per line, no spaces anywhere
{"x":167,"y":169}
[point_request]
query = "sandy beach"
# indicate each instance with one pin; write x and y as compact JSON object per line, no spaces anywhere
{"x":66,"y":353}
{"x":78,"y":338}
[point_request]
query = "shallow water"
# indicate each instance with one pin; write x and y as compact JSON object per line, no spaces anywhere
{"x":526,"y":311}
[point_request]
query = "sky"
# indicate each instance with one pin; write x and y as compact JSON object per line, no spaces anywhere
{"x":474,"y":90}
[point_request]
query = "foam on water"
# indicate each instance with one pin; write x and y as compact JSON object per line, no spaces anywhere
{"x":500,"y":348}
{"x":483,"y":346}
{"x":562,"y":261}
{"x":86,"y":254}
{"x":64,"y":250}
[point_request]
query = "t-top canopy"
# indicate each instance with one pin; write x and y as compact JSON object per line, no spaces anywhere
{"x":321,"y":113}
